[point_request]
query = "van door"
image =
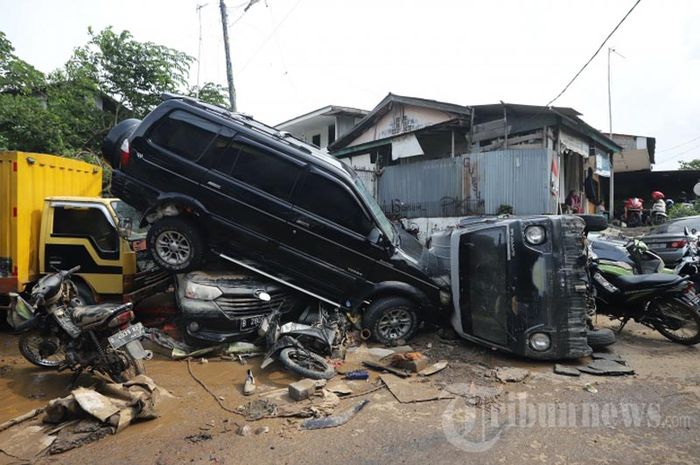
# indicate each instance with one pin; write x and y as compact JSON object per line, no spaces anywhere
{"x":249,"y":186}
{"x":84,"y":234}
{"x":168,"y":156}
{"x":329,"y":230}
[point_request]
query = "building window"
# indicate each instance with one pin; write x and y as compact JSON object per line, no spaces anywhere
{"x":331,"y":134}
{"x":316,"y":140}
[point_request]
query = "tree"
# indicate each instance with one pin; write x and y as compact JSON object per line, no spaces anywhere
{"x":689,"y":165}
{"x":210,"y":93}
{"x":16,"y":76}
{"x":133,"y":73}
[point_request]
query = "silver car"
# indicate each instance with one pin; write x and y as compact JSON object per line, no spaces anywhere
{"x":669,"y":240}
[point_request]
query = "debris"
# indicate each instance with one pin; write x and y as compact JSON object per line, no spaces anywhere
{"x":406,"y":391}
{"x":511,"y":375}
{"x":411,"y":361}
{"x":608,"y":356}
{"x":590,"y":388}
{"x":22,"y":418}
{"x":382,"y":367}
{"x":243,"y":430}
{"x":257,"y":409}
{"x":303,"y":389}
{"x":429,"y":345}
{"x":357,"y":374}
{"x":203,"y":360}
{"x":448,"y":334}
{"x":434,"y":368}
{"x":380,"y":352}
{"x":197,"y":438}
{"x":249,"y":385}
{"x":566,"y":370}
{"x":278,"y":403}
{"x":606,"y":367}
{"x":474,"y":394}
{"x":335,"y":420}
{"x":339,"y":388}
{"x":262,"y":430}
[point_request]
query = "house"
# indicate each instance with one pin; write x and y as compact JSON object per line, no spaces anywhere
{"x":637,"y":153}
{"x":438,"y":159}
{"x":324,"y":126}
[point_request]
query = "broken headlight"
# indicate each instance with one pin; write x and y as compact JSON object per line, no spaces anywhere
{"x":201,"y":292}
{"x":535,"y":235}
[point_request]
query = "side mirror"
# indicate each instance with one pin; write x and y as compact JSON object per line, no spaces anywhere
{"x":125,"y":227}
{"x":686,"y":231}
{"x":375,"y":236}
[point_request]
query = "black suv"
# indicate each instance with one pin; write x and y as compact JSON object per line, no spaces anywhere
{"x":210,"y":180}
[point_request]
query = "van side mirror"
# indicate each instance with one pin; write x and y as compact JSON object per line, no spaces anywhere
{"x":686,"y":231}
{"x":375,"y":236}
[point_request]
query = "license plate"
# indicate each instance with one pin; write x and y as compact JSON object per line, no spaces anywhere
{"x":132,"y":333}
{"x":252,"y":322}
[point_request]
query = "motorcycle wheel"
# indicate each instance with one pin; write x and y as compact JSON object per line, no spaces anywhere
{"x":134,"y":368}
{"x":31,"y":345}
{"x":306,"y":363}
{"x":679,"y":323}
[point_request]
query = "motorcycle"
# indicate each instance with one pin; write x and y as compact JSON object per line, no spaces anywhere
{"x":658,"y":212}
{"x":59,"y":332}
{"x":633,"y":212}
{"x":301,"y":346}
{"x":661,"y":301}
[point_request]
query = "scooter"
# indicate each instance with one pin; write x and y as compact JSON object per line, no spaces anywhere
{"x":301,"y":346}
{"x":658,"y":212}
{"x":664,"y":302}
{"x":633,"y":211}
{"x":59,"y":332}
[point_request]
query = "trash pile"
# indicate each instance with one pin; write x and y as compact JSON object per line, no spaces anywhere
{"x":84,"y":416}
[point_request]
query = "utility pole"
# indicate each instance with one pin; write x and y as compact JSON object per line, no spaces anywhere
{"x":612,"y":156}
{"x":229,"y":69}
{"x":199,"y":46}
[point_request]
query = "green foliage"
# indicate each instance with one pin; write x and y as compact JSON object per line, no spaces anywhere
{"x":17,"y":76}
{"x":689,"y":165}
{"x":682,"y":210}
{"x":133,"y":73}
{"x":504,"y":209}
{"x":210,"y":93}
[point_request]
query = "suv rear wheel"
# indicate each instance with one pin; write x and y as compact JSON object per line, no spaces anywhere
{"x":390,"y":319}
{"x":176,"y":244}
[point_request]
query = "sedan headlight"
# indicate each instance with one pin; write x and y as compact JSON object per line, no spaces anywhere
{"x":535,"y":235}
{"x":201,"y":292}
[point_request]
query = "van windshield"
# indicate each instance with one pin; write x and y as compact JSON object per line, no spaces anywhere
{"x":384,"y":223}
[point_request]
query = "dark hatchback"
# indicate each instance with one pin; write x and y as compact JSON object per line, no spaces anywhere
{"x":210,"y":180}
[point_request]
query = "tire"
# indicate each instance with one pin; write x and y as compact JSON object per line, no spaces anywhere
{"x":390,"y":319}
{"x":598,"y":338}
{"x":134,"y":368}
{"x":594,"y":222}
{"x":29,"y":348}
{"x":85,"y":293}
{"x":175,"y":244}
{"x":634,"y":220}
{"x":674,"y":312}
{"x":306,"y":363}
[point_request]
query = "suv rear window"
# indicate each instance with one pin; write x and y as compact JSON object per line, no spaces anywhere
{"x":329,"y":200}
{"x":184,"y":134}
{"x":266,"y":171}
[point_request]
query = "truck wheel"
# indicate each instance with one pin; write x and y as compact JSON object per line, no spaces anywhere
{"x":390,"y":319}
{"x":175,"y":244}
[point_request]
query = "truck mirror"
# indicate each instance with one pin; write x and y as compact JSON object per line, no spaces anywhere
{"x":125,"y":227}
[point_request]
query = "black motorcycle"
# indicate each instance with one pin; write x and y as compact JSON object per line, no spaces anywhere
{"x":60,"y":332}
{"x":664,"y":302}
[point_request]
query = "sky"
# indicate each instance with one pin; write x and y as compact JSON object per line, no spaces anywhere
{"x":293,"y":56}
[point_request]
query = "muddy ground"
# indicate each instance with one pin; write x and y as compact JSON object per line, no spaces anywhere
{"x":650,"y":417}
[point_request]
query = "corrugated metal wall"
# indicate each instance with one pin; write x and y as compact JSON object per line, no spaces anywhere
{"x":477,"y":182}
{"x":517,"y":177}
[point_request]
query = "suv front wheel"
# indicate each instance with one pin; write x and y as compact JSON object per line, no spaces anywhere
{"x":391,"y":319}
{"x":175,"y":244}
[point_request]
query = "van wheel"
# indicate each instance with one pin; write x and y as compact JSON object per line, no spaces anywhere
{"x":390,"y":319}
{"x":175,"y":244}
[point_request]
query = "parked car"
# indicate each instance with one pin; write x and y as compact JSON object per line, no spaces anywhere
{"x":225,"y":306}
{"x":208,"y":179}
{"x":669,"y":241}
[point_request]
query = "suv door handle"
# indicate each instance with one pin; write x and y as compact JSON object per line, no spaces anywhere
{"x":213,"y":184}
{"x":303,"y":223}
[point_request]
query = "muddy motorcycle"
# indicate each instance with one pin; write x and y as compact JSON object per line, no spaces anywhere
{"x":59,"y":332}
{"x":664,"y":302}
{"x":301,"y":346}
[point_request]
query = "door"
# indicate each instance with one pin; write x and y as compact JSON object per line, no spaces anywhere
{"x":84,"y":234}
{"x":168,"y":156}
{"x":329,"y":231}
{"x":249,"y":188}
{"x":485,"y":296}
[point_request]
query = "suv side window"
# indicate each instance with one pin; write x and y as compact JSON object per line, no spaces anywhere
{"x":264,"y":170}
{"x":184,"y":134}
{"x":87,"y":222}
{"x":331,"y":201}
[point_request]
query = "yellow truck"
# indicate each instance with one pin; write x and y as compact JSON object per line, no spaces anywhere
{"x":52,"y":216}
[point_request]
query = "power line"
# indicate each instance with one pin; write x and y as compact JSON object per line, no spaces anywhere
{"x":594,"y":54}
{"x":679,"y":145}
